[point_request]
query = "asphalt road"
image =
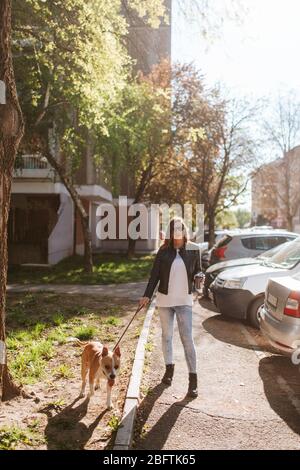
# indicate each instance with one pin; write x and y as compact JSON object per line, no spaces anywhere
{"x":249,"y":396}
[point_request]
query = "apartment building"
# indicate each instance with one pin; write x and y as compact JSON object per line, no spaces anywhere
{"x":276,"y":192}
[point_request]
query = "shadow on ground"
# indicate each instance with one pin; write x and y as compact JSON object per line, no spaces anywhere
{"x":157,"y":436}
{"x":281,"y":380}
{"x":207,"y":304}
{"x":65,"y":430}
{"x":228,"y":330}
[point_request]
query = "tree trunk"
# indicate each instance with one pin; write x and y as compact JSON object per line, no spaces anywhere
{"x":211,"y":230}
{"x":84,"y":218}
{"x":74,"y":230}
{"x":290,"y":223}
{"x":287,"y":178}
{"x":88,"y":254}
{"x":131,"y":248}
{"x":11,"y":132}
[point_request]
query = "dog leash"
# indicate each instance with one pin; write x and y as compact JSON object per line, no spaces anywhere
{"x":128,"y":325}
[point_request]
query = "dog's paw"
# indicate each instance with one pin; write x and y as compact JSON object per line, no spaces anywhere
{"x":110,"y":406}
{"x":81,"y":395}
{"x":97,"y":387}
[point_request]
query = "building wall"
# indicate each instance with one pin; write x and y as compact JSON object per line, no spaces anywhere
{"x":273,"y":185}
{"x":149,"y":46}
{"x":60,"y":241}
{"x":32,"y":218}
{"x":79,"y":233}
{"x":96,"y":242}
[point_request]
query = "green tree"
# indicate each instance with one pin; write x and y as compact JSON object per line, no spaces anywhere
{"x":71,"y":63}
{"x":243,"y":217}
{"x":226,"y":220}
{"x":137,"y":139}
{"x":214,"y":135}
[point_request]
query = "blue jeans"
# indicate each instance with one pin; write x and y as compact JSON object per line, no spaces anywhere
{"x":184,"y":320}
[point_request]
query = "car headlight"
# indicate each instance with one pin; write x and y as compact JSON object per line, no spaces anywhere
{"x":234,"y":283}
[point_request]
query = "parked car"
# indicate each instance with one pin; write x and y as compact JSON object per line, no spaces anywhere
{"x":280,"y":314}
{"x":204,"y":246}
{"x":213,"y":271}
{"x":239,"y":292}
{"x":247,"y":244}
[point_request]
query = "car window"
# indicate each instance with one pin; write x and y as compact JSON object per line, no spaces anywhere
{"x":275,"y":241}
{"x":263,"y":243}
{"x":255,"y":243}
{"x":279,"y":240}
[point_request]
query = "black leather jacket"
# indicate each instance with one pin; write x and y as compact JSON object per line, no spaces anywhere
{"x":162,"y":266}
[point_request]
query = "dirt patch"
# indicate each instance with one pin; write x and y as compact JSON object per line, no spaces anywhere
{"x":39,"y":355}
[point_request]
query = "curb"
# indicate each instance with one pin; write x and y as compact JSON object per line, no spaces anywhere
{"x":125,"y":431}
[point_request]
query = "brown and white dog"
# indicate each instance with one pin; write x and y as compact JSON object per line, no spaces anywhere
{"x":99,"y":363}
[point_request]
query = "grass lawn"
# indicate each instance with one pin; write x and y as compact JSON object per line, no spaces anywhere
{"x":108,"y":269}
{"x":48,"y":365}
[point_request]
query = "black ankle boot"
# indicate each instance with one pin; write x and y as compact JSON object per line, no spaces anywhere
{"x":167,"y":378}
{"x":193,"y":386}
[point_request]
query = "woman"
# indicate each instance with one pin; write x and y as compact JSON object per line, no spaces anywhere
{"x":175,"y":266}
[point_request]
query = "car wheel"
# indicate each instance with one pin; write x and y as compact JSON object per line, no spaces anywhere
{"x":253,"y":312}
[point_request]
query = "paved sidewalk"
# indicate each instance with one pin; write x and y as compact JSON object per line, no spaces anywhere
{"x":248,"y":396}
{"x":130,"y":290}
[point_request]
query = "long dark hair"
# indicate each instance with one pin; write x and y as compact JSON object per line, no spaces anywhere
{"x":178,"y":224}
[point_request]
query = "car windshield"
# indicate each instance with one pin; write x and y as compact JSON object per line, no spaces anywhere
{"x":288,"y":257}
{"x":268,"y":254}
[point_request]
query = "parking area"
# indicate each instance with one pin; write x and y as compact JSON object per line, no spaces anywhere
{"x":249,"y":396}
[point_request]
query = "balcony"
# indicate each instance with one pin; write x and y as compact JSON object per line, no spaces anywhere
{"x":33,"y":166}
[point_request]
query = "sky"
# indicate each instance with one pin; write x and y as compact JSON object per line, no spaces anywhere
{"x":257,"y":58}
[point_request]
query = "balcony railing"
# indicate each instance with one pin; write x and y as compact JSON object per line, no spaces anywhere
{"x":32,"y":162}
{"x":33,"y":166}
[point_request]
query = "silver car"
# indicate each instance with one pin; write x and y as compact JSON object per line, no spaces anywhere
{"x":280,"y":314}
{"x":246,"y":244}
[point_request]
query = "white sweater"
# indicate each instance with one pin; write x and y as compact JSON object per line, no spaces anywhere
{"x":178,"y":289}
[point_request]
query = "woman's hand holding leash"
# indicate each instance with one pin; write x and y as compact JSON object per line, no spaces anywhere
{"x":143,"y":302}
{"x":131,"y":320}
